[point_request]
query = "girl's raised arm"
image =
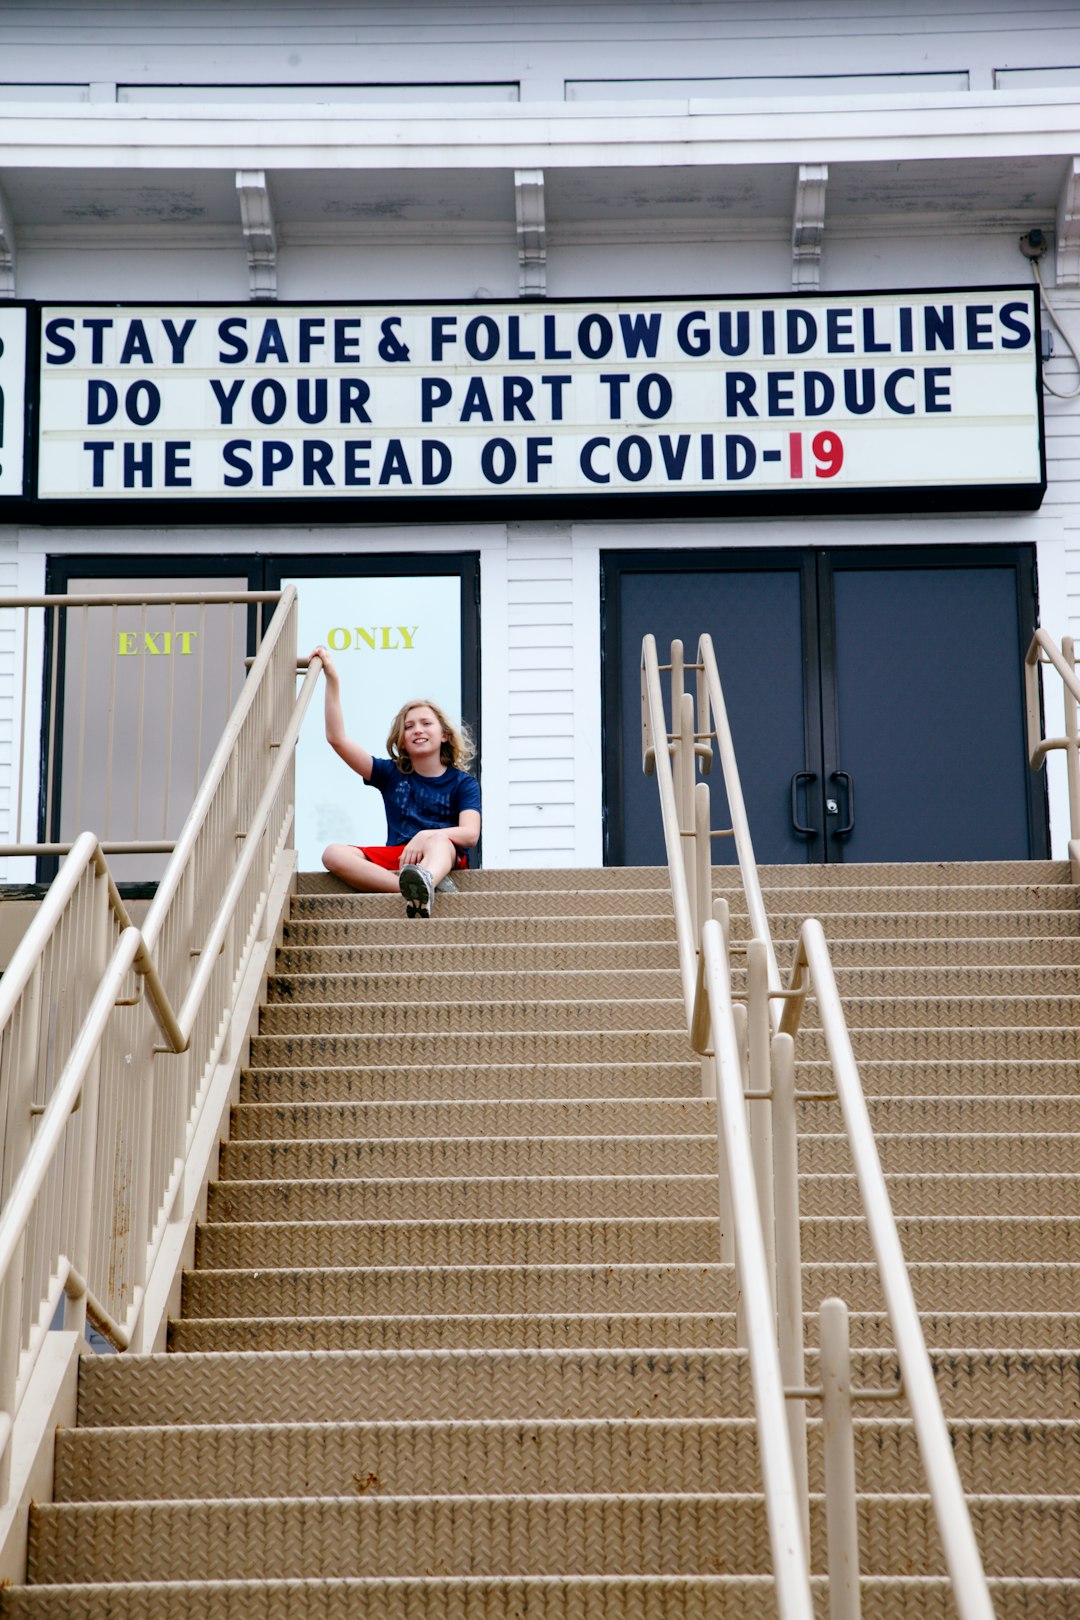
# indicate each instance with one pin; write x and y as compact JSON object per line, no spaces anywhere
{"x":351,"y":752}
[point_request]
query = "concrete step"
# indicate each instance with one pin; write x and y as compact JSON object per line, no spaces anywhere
{"x":672,"y":1287}
{"x":558,"y":1455}
{"x":619,"y":1533}
{"x":631,"y":1238}
{"x":338,"y":1198}
{"x":1018,"y":1331}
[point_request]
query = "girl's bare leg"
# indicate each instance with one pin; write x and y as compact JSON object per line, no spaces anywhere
{"x":357,"y":871}
{"x":440,"y":857}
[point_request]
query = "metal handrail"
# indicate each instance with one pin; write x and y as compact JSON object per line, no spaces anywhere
{"x":79,"y":1016}
{"x":1044,"y":650}
{"x":813,"y":969}
{"x":711,"y":1015}
{"x":751,"y":1050}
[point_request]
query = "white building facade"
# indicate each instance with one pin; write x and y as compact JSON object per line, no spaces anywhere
{"x":510,"y":332}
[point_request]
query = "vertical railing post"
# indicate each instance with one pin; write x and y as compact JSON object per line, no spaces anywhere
{"x":702,"y":856}
{"x":789,"y":1300}
{"x":25,"y":1034}
{"x":841,"y":1508}
{"x":82,"y":1238}
{"x":685,"y":768}
{"x":759,"y":1038}
{"x":739,"y":1021}
{"x":677,"y":679}
{"x":709,"y":1088}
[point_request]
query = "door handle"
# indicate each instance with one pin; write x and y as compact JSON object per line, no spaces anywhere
{"x":800,"y":776}
{"x":845,"y":777}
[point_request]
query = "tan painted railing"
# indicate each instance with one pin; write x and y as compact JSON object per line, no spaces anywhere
{"x":747,"y":1044}
{"x":119,"y":1045}
{"x":1045,"y":650}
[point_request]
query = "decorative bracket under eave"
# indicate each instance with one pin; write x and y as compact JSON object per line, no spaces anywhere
{"x":257,"y":218}
{"x":531,"y":232}
{"x":808,"y":225}
{"x":1067,"y":267}
{"x":7,"y":249}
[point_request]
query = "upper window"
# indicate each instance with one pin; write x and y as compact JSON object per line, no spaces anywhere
{"x":828,"y":84}
{"x":315,"y":94}
{"x":1036,"y":78}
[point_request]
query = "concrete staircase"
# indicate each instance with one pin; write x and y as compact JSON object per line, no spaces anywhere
{"x":458,"y":1341}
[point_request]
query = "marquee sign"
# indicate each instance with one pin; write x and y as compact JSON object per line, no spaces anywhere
{"x":797,"y":397}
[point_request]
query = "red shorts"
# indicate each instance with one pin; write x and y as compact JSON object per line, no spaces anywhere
{"x":389,"y":855}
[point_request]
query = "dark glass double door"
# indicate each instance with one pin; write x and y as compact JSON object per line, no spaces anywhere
{"x":875,"y":698}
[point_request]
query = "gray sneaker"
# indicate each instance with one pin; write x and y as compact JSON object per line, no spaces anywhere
{"x":418,"y":886}
{"x":447,"y":886}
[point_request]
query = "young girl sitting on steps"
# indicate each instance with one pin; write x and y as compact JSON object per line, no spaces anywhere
{"x":432,"y":803}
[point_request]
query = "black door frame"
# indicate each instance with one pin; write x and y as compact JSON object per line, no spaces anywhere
{"x":817,"y":565}
{"x":264,"y":573}
{"x":613,"y":566}
{"x":1019,"y":558}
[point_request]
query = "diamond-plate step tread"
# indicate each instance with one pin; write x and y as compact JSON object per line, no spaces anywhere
{"x":322,"y":1386}
{"x":964,"y":1012}
{"x":476,"y":880}
{"x":336,"y":1120}
{"x":514,"y":929}
{"x":524,"y":1197}
{"x":659,"y":1045}
{"x":937,"y":925}
{"x":466,"y":983}
{"x":368,"y":1121}
{"x":477,"y":1455}
{"x":628,"y":955}
{"x":637,"y":1238}
{"x":727,"y":877}
{"x":461,"y":1197}
{"x":575,"y":901}
{"x":378,"y":1017}
{"x":609,"y":1330}
{"x":629,"y":1155}
{"x":648,"y":1534}
{"x":543,"y":984}
{"x":618,"y":1286}
{"x":438,"y":1081}
{"x":596,"y":1597}
{"x":792,"y":895}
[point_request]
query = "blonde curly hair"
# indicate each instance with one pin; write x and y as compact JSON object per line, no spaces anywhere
{"x":458,"y":748}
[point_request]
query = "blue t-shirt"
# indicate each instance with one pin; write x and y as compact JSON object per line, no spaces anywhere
{"x":415,"y":803}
